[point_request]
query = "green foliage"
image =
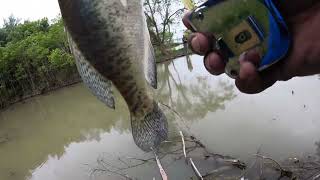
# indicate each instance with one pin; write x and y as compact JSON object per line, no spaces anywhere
{"x":34,"y":57}
{"x":162,"y":19}
{"x":59,"y":58}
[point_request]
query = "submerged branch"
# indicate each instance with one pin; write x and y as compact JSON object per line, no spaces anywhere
{"x":183,"y":145}
{"x":106,"y":169}
{"x":316,"y":177}
{"x":217,"y":172}
{"x":175,"y":112}
{"x":268,"y":158}
{"x":195,"y":169}
{"x":138,"y":159}
{"x":284,"y":173}
{"x":162,"y":171}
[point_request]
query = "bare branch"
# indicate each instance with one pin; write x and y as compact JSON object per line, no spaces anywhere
{"x":194,"y":167}
{"x":125,"y":163}
{"x":106,"y":169}
{"x":144,"y":160}
{"x":176,"y":12}
{"x":152,"y":18}
{"x":284,"y":173}
{"x":217,"y":171}
{"x":183,"y":145}
{"x":162,"y":172}
{"x":268,"y":158}
{"x":316,"y":177}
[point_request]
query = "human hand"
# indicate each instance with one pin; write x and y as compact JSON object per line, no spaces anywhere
{"x":303,"y":59}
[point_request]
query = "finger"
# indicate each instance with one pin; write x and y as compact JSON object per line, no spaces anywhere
{"x":186,"y":21}
{"x":214,"y":63}
{"x":248,"y":80}
{"x":252,"y":56}
{"x":199,"y":43}
{"x":251,"y":81}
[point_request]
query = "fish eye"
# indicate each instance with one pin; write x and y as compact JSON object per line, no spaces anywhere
{"x":200,"y":15}
{"x":243,"y":37}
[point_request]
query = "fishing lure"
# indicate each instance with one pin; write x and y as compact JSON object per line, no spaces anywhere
{"x":188,"y":4}
{"x":242,"y":25}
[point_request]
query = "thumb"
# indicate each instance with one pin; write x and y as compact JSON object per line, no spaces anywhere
{"x":252,"y":81}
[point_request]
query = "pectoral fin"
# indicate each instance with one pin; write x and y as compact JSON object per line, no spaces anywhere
{"x":98,"y":85}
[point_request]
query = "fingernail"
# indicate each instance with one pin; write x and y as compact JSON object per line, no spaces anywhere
{"x":207,"y":64}
{"x":214,"y":64}
{"x":242,"y":57}
{"x":196,"y":46}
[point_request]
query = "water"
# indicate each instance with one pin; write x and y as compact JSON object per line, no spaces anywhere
{"x":67,"y":134}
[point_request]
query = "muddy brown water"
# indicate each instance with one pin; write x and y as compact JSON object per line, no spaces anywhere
{"x":69,"y":134}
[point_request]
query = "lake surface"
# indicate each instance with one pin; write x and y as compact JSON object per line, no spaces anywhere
{"x":69,"y":134}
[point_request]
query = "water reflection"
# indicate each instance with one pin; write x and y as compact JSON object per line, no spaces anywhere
{"x":196,"y":96}
{"x":318,"y":148}
{"x":189,"y":63}
{"x":173,"y":161}
{"x":73,"y":116}
{"x":43,"y":126}
{"x":58,"y":135}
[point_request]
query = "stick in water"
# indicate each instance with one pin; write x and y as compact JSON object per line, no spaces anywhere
{"x":196,"y":169}
{"x":316,"y":177}
{"x":183,"y":145}
{"x":162,"y":172}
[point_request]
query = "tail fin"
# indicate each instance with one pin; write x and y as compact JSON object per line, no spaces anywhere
{"x":149,"y":131}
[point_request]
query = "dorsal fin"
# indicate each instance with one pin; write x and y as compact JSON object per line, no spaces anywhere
{"x":150,"y":65}
{"x":98,"y":85}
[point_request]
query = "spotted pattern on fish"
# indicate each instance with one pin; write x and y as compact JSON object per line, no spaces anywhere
{"x":114,"y":40}
{"x":108,"y":40}
{"x":99,"y":86}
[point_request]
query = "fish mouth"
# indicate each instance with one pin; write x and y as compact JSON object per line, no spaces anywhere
{"x":151,"y":130}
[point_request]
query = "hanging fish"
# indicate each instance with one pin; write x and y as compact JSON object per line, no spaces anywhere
{"x":111,"y":45}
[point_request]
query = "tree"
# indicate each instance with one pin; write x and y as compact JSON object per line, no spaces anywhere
{"x":34,"y":57}
{"x":161,"y":15}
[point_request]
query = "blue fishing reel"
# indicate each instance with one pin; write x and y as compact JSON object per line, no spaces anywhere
{"x":242,"y":25}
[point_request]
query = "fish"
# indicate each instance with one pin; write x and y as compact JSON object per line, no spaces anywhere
{"x":112,"y":48}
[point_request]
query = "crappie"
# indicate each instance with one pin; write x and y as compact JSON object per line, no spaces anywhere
{"x":111,"y":45}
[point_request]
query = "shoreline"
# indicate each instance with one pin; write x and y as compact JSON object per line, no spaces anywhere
{"x":39,"y":93}
{"x":67,"y":84}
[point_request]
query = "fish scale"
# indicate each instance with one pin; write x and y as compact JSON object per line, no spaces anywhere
{"x":98,"y":85}
{"x":111,"y":43}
